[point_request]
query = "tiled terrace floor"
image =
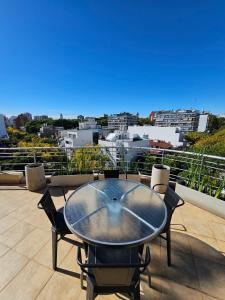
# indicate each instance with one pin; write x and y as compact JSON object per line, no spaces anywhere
{"x":198,"y":270}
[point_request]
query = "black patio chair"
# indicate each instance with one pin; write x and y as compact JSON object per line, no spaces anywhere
{"x":59,"y":227}
{"x":171,"y":200}
{"x":61,"y":188}
{"x":113,"y":270}
{"x":111,"y":174}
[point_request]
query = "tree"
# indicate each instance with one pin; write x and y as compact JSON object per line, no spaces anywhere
{"x":34,"y":126}
{"x":103,"y":121}
{"x":211,"y":144}
{"x":213,"y":123}
{"x":144,"y":121}
{"x":88,"y":159}
{"x":66,"y":123}
{"x":193,"y":137}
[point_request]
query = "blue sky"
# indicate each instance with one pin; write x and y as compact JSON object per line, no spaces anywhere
{"x":101,"y":56}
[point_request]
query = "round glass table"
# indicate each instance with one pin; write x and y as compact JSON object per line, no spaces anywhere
{"x":115,"y":212}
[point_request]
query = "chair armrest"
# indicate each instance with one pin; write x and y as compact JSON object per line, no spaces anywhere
{"x":159,"y":184}
{"x":39,"y":205}
{"x":182,"y":202}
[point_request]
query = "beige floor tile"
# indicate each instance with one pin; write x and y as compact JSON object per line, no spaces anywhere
{"x":211,"y":277}
{"x":28,"y":284}
{"x":70,"y":264}
{"x":44,"y":256}
{"x":38,"y":218}
{"x":221,"y":247}
{"x":182,"y":270}
{"x":206,"y":297}
{"x":3,"y":249}
{"x":5,"y":210}
{"x":174,"y":291}
{"x":179,"y":242}
{"x":11,"y":263}
{"x":16,"y":233}
{"x":6,"y":223}
{"x":154,"y":292}
{"x":23,"y":212}
{"x":32,"y":243}
{"x":206,"y":248}
{"x":60,"y":287}
{"x":195,"y":225}
{"x":218,"y":230}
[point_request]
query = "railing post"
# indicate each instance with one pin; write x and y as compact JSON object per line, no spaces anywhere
{"x":34,"y":157}
{"x":162,"y":159}
{"x":200,"y":171}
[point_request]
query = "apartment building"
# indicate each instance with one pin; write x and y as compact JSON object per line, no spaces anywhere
{"x":3,"y":131}
{"x":172,"y":135}
{"x":120,"y":144}
{"x":89,"y":123}
{"x":122,"y":121}
{"x":41,"y":118}
{"x":187,"y":120}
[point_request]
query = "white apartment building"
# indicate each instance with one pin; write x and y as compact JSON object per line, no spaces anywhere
{"x":76,"y":138}
{"x":89,"y":123}
{"x":186,"y":119}
{"x":203,"y":122}
{"x":172,"y":135}
{"x":3,"y":131}
{"x":122,"y":121}
{"x":117,"y":142}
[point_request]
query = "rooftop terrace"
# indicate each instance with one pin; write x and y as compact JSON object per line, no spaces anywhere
{"x":198,"y":255}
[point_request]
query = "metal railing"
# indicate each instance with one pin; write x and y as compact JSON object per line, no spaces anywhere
{"x":196,"y":169}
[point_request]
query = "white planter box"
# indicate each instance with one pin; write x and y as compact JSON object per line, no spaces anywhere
{"x":9,"y":177}
{"x":209,"y":203}
{"x":71,"y":180}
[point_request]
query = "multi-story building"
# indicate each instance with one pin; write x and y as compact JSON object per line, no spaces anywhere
{"x":22,"y":119}
{"x":76,"y":138}
{"x":89,"y":123}
{"x":12,"y":121}
{"x":122,"y":121}
{"x":3,"y":131}
{"x":187,"y":120}
{"x":41,"y":118}
{"x":28,"y":116}
{"x":172,"y":135}
{"x":47,"y":131}
{"x":120,"y":144}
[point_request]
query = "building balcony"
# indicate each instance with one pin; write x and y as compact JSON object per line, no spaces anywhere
{"x":198,"y":236}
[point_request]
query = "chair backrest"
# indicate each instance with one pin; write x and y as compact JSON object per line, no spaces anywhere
{"x":171,"y":200}
{"x":113,"y":265}
{"x":111,"y":174}
{"x":47,"y":204}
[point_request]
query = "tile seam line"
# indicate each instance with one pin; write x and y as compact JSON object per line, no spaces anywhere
{"x":2,"y":290}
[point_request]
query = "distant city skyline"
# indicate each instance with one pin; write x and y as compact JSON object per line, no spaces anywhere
{"x":94,"y":57}
{"x":71,"y":116}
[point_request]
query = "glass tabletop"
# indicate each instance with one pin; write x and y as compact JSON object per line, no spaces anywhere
{"x":115,"y":212}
